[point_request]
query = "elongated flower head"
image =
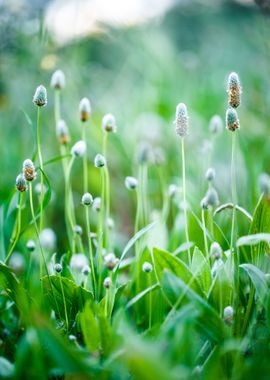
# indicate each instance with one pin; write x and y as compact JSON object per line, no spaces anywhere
{"x":147,"y":267}
{"x":40,"y":96}
{"x":29,"y":171}
{"x":87,"y":199}
{"x":58,"y":268}
{"x":210,"y":174}
{"x":21,"y":184}
{"x":216,"y":125}
{"x":58,"y":80}
{"x":234,"y":90}
{"x":232,"y":121}
{"x":110,"y":261}
{"x":210,"y":199}
{"x":85,"y":109}
{"x":215,"y":251}
{"x":108,"y":123}
{"x":62,"y":132}
{"x":131,"y":183}
{"x":107,"y":282}
{"x":96,"y":204}
{"x":78,"y":149}
{"x":181,"y":120}
{"x":264,"y":183}
{"x":100,"y":161}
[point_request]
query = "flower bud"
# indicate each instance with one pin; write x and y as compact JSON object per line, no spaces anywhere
{"x":40,"y":96}
{"x":21,"y":184}
{"x":131,"y":183}
{"x":172,"y":190}
{"x":58,"y":80}
{"x":232,"y":121}
{"x":264,"y":183}
{"x":107,"y":282}
{"x":110,"y":223}
{"x":108,"y":123}
{"x":144,"y":152}
{"x":85,"y":109}
{"x":96,"y":204}
{"x":228,"y":314}
{"x":62,"y":132}
{"x":87,"y":199}
{"x":48,"y":239}
{"x":110,"y":261}
{"x":147,"y":267}
{"x":100,"y":161}
{"x":215,"y":251}
{"x":216,"y":125}
{"x":210,"y":174}
{"x":78,"y":262}
{"x":234,"y":90}
{"x":181,"y":120}
{"x":29,"y":170}
{"x":78,"y":149}
{"x":86,"y":270}
{"x":210,"y":199}
{"x":58,"y":268}
{"x":78,"y":229}
{"x":31,"y":245}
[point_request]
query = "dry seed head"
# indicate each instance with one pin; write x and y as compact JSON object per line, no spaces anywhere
{"x":131,"y":183}
{"x":85,"y":109}
{"x":58,"y":268}
{"x":100,"y":161}
{"x":21,"y":184}
{"x":234,"y":90}
{"x":29,"y":171}
{"x":87,"y":199}
{"x":78,"y":149}
{"x":216,"y":125}
{"x":108,"y":123}
{"x":58,"y":80}
{"x":210,"y":174}
{"x":232,"y":121}
{"x":181,"y":120}
{"x":40,"y":96}
{"x":147,"y":267}
{"x":107,"y":282}
{"x":62,"y":132}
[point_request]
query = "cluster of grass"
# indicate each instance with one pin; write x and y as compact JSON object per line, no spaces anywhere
{"x":186,"y":298}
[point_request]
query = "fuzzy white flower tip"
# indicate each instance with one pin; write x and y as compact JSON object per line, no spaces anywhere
{"x":79,"y":148}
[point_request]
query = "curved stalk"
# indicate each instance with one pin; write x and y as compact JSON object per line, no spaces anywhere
{"x":18,"y":227}
{"x":184,"y":196}
{"x":41,"y":167}
{"x":91,"y":257}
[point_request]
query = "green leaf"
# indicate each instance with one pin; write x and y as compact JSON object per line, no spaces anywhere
{"x":258,"y":279}
{"x":261,"y":223}
{"x":220,"y":292}
{"x":165,"y":260}
{"x":141,"y":295}
{"x":75,"y":296}
{"x":201,"y":270}
{"x":253,"y":239}
{"x":89,"y":326}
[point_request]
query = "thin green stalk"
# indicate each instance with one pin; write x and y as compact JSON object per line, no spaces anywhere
{"x":64,"y":301}
{"x":18,"y":227}
{"x":234,"y":193}
{"x":184,"y":196}
{"x":107,"y":189}
{"x":41,"y":171}
{"x":85,"y":170}
{"x":88,"y":231}
{"x":101,"y":225}
{"x":69,"y":206}
{"x":205,"y":235}
{"x":150,"y":301}
{"x":145,"y":192}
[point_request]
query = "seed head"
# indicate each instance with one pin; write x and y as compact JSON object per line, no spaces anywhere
{"x":96,"y":204}
{"x":234,"y":90}
{"x":78,"y":149}
{"x":172,"y":190}
{"x":78,"y":229}
{"x":264,"y":183}
{"x":21,"y":184}
{"x":29,"y":171}
{"x":210,"y":174}
{"x":78,"y":262}
{"x":87,"y":199}
{"x":62,"y":132}
{"x":40,"y":96}
{"x":31,"y":245}
{"x":215,"y":251}
{"x":218,"y":264}
{"x":110,"y":261}
{"x":108,"y":123}
{"x":147,"y":267}
{"x":216,"y":125}
{"x":107,"y":282}
{"x":228,"y":314}
{"x":181,"y":120}
{"x":86,"y":270}
{"x":131,"y":183}
{"x":58,"y":268}
{"x":232,"y":121}
{"x":85,"y":109}
{"x":58,"y":80}
{"x":210,"y":199}
{"x":100,"y":161}
{"x":144,"y":152}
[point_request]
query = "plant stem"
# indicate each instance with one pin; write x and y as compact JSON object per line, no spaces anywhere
{"x":184,"y":196}
{"x":205,"y":236}
{"x":41,"y":171}
{"x":234,"y":193}
{"x":101,"y":225}
{"x":150,"y":302}
{"x":18,"y":227}
{"x":85,"y":171}
{"x":64,"y":301}
{"x":88,"y":231}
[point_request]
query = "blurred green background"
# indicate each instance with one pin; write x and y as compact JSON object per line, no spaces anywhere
{"x":139,"y":71}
